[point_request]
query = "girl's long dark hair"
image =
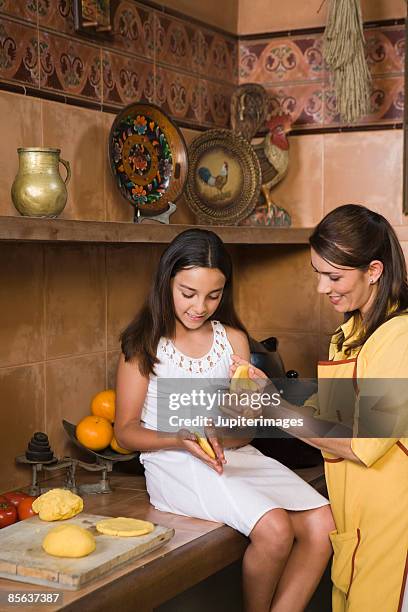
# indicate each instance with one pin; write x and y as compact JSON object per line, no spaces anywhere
{"x":192,"y":248}
{"x":354,"y":236}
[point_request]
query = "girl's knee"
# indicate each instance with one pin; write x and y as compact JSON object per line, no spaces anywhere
{"x":323,"y":520}
{"x":314,"y":525}
{"x":275,"y":531}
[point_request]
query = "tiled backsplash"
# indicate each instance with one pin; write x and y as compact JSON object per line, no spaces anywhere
{"x":292,"y":70}
{"x":186,"y":67}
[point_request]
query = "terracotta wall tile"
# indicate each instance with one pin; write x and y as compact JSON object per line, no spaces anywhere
{"x":303,"y":102}
{"x":70,"y":66}
{"x":405,"y":249}
{"x":19,"y":61}
{"x":255,"y":17}
{"x":282,"y":59}
{"x":355,"y":167}
{"x":299,"y":351}
{"x":223,"y":16}
{"x":71,"y":384}
{"x":219,"y":56}
{"x":183,"y":214}
{"x":22,"y":128}
{"x":178,"y":94}
{"x":57,"y":15}
{"x":276,"y":289}
{"x":300,"y":191}
{"x":215,"y":103}
{"x":24,"y":9}
{"x":75,"y":300}
{"x":385,"y":48}
{"x":112,"y":364}
{"x":130,"y":271}
{"x":133,"y":28}
{"x":126,"y":79}
{"x":21,"y":304}
{"x":22,"y":396}
{"x":176,"y":42}
{"x":329,"y":318}
{"x":387,"y":102}
{"x":79,"y":134}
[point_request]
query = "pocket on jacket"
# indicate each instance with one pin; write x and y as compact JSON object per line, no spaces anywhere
{"x":345,"y":547}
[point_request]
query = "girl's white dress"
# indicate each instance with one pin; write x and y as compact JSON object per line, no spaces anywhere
{"x":251,"y":484}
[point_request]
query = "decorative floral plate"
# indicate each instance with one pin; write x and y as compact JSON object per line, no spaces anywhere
{"x":224,"y":177}
{"x":148,"y":157}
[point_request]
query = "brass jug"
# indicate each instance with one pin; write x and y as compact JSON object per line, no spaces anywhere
{"x":38,"y":189}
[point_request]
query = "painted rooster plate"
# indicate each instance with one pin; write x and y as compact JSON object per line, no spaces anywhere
{"x":148,"y":158}
{"x":224,"y":177}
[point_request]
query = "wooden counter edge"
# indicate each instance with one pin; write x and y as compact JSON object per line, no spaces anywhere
{"x":161,"y":579}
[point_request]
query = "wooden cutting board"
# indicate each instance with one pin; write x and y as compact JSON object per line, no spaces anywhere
{"x":22,"y":557}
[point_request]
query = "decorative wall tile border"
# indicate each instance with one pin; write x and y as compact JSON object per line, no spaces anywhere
{"x":153,"y":56}
{"x":281,"y":60}
{"x":292,"y":70}
{"x":69,"y":66}
{"x":19,"y":56}
{"x":188,"y":67}
{"x":26,"y":9}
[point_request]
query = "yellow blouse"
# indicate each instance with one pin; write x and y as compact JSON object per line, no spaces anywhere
{"x":369,"y":500}
{"x":384,"y":355}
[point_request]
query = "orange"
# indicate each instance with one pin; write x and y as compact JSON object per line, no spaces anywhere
{"x":103,"y":404}
{"x":94,"y":432}
{"x":115,"y":446}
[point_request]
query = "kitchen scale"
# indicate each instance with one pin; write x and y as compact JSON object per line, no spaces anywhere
{"x":104,"y":462}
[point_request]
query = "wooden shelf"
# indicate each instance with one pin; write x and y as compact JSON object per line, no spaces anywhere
{"x":28,"y":229}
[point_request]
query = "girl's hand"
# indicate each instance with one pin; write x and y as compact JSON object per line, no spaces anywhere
{"x":216,"y":443}
{"x":188,"y":441}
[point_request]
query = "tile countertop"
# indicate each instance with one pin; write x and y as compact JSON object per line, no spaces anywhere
{"x":198,"y":549}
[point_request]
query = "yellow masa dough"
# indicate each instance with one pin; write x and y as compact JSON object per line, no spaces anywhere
{"x":69,"y":541}
{"x":57,"y":505}
{"x":125,"y":527}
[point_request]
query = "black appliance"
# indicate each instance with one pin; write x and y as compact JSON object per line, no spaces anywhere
{"x":288,"y":450}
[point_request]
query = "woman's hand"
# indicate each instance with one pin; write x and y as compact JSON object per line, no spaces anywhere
{"x":258,"y":377}
{"x":254,"y":373}
{"x":188,"y":441}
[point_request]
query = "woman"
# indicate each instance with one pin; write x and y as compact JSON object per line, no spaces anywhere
{"x":361,"y":269}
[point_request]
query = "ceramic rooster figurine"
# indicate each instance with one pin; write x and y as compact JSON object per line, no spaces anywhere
{"x":218,"y":181}
{"x":273,"y":154}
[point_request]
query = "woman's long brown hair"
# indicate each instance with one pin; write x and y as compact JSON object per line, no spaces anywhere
{"x":354,"y":236}
{"x":192,"y":248}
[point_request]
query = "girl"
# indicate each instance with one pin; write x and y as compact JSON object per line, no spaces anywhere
{"x":188,"y":328}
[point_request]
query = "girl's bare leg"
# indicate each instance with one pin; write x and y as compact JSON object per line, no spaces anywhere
{"x":307,"y":561}
{"x":265,"y":559}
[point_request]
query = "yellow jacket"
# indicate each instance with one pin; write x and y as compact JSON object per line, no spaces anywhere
{"x":370,"y":500}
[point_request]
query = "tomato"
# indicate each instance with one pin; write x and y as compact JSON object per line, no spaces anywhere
{"x":15,"y":497}
{"x":8,"y":514}
{"x":24,"y":509}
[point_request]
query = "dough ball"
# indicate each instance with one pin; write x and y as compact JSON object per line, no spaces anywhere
{"x":69,"y":541}
{"x":57,"y":505}
{"x":122,"y":526}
